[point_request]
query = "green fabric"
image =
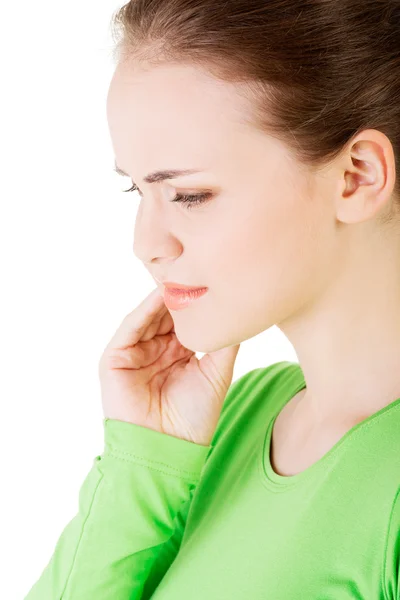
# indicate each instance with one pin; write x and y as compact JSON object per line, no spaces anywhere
{"x":167,"y":519}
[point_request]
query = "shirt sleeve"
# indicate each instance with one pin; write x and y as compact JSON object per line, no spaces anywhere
{"x":133,"y":507}
{"x":392,"y":556}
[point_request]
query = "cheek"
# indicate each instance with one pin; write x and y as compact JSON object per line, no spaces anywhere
{"x":276,"y":238}
{"x":271,"y":244}
{"x":275,"y":259}
{"x":296,"y":254}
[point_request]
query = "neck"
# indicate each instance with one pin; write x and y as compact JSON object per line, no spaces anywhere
{"x":348,"y":338}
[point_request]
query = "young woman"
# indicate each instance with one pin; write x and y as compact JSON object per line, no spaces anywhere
{"x":263,"y":139}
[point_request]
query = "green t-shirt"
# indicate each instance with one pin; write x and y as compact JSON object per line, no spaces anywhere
{"x":163,"y":518}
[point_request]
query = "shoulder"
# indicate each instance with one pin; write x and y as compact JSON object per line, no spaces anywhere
{"x":259,"y":381}
{"x":391,"y":574}
{"x":255,"y":387}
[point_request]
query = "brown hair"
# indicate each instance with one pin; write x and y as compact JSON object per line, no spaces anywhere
{"x":318,"y":72}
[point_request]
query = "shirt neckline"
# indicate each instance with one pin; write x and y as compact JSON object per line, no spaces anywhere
{"x":281,"y":482}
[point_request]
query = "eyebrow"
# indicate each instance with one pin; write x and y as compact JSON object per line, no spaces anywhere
{"x":160,"y":175}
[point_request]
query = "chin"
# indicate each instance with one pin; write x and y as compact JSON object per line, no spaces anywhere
{"x":203,"y":343}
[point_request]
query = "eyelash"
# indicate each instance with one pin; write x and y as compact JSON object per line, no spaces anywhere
{"x":188,"y":200}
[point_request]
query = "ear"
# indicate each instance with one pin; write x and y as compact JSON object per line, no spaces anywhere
{"x":368,"y":172}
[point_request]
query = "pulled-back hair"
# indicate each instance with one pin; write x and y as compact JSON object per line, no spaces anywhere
{"x":317,"y":72}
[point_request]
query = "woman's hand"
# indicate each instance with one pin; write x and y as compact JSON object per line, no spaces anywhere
{"x":148,"y":378}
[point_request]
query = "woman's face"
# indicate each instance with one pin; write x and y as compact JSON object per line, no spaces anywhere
{"x":264,"y":243}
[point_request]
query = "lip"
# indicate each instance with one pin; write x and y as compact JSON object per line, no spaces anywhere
{"x":170,"y":285}
{"x":178,"y":298}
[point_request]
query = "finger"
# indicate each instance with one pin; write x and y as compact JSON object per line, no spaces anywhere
{"x":135,"y":324}
{"x":160,"y":326}
{"x":222,"y":361}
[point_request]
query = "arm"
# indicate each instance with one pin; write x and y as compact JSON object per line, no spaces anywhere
{"x":133,"y":501}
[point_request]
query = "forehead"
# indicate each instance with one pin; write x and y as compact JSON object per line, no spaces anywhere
{"x":179,"y":109}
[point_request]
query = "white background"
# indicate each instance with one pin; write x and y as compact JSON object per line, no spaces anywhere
{"x":68,"y":272}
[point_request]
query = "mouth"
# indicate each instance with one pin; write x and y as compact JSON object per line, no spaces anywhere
{"x":172,"y":287}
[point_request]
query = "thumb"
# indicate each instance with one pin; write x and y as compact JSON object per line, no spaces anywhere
{"x":223,"y":361}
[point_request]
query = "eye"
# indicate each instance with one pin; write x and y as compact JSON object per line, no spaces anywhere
{"x":189,"y":200}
